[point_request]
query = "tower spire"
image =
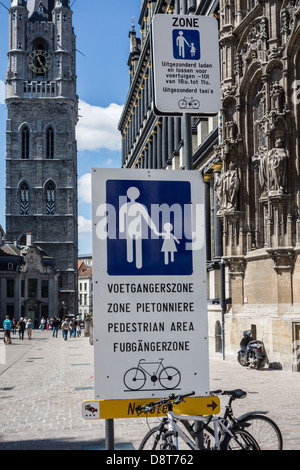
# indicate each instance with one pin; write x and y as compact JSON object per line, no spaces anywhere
{"x":40,"y":10}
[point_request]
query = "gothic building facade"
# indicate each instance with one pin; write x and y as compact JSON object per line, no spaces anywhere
{"x":41,"y":158}
{"x":258,"y":185}
{"x":249,"y":158}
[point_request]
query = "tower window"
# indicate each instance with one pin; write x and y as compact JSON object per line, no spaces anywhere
{"x":24,"y":195}
{"x":50,"y":143}
{"x":50,"y":198}
{"x":25,"y":143}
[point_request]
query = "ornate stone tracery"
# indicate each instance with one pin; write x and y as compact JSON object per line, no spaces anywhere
{"x":258,"y":189}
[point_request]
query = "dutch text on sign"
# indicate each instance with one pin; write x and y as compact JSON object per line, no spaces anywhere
{"x":186,"y":64}
{"x":115,"y":409}
{"x":150,"y":315}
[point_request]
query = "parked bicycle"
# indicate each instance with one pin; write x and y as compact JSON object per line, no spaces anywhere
{"x":264,"y":430}
{"x":168,"y":435}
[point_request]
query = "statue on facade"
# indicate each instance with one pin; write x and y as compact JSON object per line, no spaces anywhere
{"x":227,"y":187}
{"x":231,"y":187}
{"x":277,"y":161}
{"x":272,"y":167}
{"x":218,"y":187}
{"x":261,"y":160}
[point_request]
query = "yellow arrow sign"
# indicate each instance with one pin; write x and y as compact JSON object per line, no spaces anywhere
{"x":114,"y":409}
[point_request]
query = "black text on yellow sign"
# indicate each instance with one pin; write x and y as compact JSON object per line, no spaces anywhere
{"x":115,"y":409}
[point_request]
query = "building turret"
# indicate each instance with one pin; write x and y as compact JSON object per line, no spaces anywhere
{"x":17,"y":42}
{"x":135,"y":49}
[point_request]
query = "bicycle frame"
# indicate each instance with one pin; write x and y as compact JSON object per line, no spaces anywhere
{"x":144,"y":362}
{"x":173,"y":427}
{"x":219,"y":428}
{"x":219,"y":424}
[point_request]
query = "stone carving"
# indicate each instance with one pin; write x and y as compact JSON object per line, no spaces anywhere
{"x":272,"y":167}
{"x":277,"y":97}
{"x":289,"y":18}
{"x":277,"y":166}
{"x":261,"y":160}
{"x":227,"y":186}
{"x":255,"y":45}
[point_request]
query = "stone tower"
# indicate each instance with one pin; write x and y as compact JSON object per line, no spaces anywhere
{"x":41,"y":157}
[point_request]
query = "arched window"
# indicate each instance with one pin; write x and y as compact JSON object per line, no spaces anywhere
{"x":50,"y":143}
{"x":50,"y":198}
{"x":24,"y":199}
{"x":25,"y":142}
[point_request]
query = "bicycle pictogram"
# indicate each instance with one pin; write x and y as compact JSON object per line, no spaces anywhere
{"x":188,"y":103}
{"x":168,"y":377}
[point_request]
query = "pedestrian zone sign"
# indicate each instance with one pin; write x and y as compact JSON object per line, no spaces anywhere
{"x":149,"y":273}
{"x":186,"y":64}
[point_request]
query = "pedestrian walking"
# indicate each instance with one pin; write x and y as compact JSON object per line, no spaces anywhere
{"x":29,"y":328}
{"x":55,"y":325}
{"x":43,"y":323}
{"x":65,"y":328}
{"x":7,"y":329}
{"x":72,"y":329}
{"x":21,"y":328}
{"x":14,"y":326}
{"x":78,"y":329}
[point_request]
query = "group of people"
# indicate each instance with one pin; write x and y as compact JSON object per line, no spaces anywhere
{"x":10,"y":326}
{"x":73,"y":327}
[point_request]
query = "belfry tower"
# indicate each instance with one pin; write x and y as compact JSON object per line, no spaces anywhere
{"x":41,"y":157}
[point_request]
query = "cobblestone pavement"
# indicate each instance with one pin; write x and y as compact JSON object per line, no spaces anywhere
{"x":45,"y":380}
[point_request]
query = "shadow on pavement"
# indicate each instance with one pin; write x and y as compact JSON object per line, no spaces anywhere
{"x":51,"y":444}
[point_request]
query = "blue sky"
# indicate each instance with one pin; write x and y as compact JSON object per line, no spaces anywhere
{"x":102,"y":86}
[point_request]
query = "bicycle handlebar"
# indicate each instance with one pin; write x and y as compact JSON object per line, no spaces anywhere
{"x":175,"y":399}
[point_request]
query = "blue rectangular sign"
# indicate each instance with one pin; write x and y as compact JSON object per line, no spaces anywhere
{"x":186,"y":44}
{"x":153,"y":227}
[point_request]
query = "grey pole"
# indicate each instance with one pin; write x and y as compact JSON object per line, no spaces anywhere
{"x":187,"y":137}
{"x":188,"y":164}
{"x":109,"y":434}
{"x":223,"y":305}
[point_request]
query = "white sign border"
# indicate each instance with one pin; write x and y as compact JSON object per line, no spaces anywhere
{"x":156,"y":45}
{"x":100,"y":278}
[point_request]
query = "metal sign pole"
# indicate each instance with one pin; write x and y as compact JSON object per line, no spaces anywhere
{"x":187,"y":138}
{"x":188,"y":164}
{"x":109,"y":434}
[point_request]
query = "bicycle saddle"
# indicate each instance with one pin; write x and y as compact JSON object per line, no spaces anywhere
{"x":238,"y":393}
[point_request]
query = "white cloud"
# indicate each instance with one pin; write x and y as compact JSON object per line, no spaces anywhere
{"x":84,"y":188}
{"x":2,"y":92}
{"x":84,"y":225}
{"x":98,"y":127}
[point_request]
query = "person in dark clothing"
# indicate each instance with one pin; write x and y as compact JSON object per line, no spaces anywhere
{"x":21,"y":328}
{"x":55,"y":326}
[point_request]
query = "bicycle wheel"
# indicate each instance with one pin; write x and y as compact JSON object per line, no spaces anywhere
{"x":195,"y":104}
{"x":169,"y":378}
{"x":134,"y":379}
{"x":242,"y":440}
{"x":152,"y":439}
{"x":159,"y":438}
{"x":265,"y":432}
